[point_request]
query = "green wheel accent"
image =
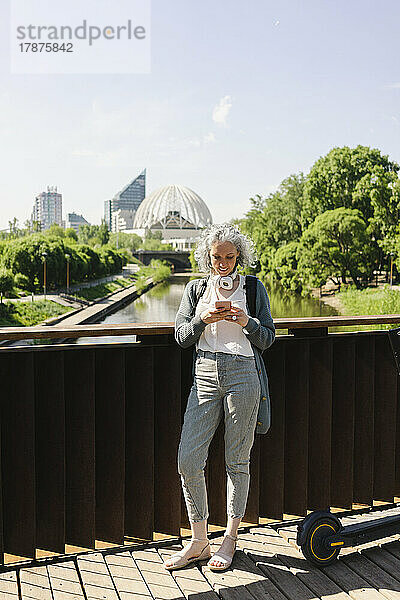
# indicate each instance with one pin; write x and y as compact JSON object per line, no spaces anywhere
{"x":314,"y":548}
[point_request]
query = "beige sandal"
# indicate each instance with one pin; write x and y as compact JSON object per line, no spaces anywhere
{"x":221,"y":557}
{"x":180,"y":561}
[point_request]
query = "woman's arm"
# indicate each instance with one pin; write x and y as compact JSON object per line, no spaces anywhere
{"x":188,"y":327}
{"x":260,"y":330}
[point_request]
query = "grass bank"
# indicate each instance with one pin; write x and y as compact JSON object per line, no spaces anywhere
{"x":27,"y":314}
{"x":156,"y":270}
{"x":371,"y":301}
{"x":102,"y":289}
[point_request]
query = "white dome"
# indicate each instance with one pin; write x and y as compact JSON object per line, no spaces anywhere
{"x":172,"y":207}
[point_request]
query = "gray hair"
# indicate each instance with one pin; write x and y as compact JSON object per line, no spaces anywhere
{"x":224,"y":233}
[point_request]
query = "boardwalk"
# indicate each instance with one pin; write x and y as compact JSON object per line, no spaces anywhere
{"x":267,"y":566}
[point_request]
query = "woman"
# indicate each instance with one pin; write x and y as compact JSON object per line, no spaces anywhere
{"x":229,"y":377}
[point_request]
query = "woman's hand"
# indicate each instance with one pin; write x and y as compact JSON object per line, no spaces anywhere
{"x":212,"y":315}
{"x":237,"y":315}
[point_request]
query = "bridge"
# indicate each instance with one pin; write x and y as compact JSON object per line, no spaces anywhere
{"x":178,"y":258}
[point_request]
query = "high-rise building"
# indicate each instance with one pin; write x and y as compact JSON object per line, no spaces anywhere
{"x":122,"y":219}
{"x":74,"y":221}
{"x":47,"y":208}
{"x":129,"y":198}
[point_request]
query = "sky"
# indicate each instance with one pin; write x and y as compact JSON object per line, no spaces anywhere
{"x":240,"y":95}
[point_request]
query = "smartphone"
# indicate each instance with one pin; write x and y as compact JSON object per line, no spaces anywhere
{"x":223,"y":304}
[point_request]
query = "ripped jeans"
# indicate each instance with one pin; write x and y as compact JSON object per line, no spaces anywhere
{"x":224,"y":385}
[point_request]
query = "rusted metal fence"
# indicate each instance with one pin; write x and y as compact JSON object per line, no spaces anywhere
{"x":89,"y":433}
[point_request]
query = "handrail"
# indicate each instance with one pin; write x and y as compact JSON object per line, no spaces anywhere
{"x":156,"y":328}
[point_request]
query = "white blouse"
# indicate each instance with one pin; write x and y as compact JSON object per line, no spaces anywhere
{"x":224,"y":336}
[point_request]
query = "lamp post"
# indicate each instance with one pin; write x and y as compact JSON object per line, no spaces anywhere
{"x":391,"y":269}
{"x":68,"y":258}
{"x":44,"y":273}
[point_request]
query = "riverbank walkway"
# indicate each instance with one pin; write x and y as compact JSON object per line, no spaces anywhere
{"x":267,"y":566}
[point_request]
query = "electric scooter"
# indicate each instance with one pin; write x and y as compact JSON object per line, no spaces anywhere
{"x":321,"y":535}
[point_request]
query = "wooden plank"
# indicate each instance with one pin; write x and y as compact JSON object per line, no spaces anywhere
{"x":9,"y":586}
{"x":216,"y":478}
{"x":18,"y":454}
{"x":259,"y":586}
{"x":319,"y":584}
{"x":351,"y":582}
{"x":50,"y":450}
{"x":139,"y":467}
{"x":342,"y":422}
{"x":281,"y":576}
{"x":80,"y":447}
{"x":376,"y":577}
{"x":35,"y":584}
{"x":126,"y":577}
{"x":77,"y":331}
{"x":159,"y":581}
{"x":297,"y":364}
{"x":320,"y":407}
{"x":64,"y":581}
{"x":272,"y":444}
{"x":167,"y":393}
{"x":157,"y":328}
{"x":393,"y":548}
{"x":110,"y":444}
{"x":243,"y":575}
{"x":96,"y":579}
{"x":190,"y":579}
{"x":364,"y":420}
{"x":228,"y":585}
{"x":385,"y":421}
{"x":383,"y":559}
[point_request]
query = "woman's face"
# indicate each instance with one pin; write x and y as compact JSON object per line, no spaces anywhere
{"x":223,"y":257}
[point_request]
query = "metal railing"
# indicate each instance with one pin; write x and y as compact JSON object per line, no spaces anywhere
{"x":89,"y":433}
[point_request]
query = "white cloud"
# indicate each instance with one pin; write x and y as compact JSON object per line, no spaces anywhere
{"x":393,"y":86}
{"x":221,"y":110}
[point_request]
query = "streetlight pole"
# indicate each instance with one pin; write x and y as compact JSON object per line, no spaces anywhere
{"x":67,"y":256}
{"x":44,"y":273}
{"x":391,"y":269}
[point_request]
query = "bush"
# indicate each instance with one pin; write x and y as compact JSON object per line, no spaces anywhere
{"x":6,"y":282}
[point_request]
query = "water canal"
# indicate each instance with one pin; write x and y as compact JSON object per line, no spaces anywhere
{"x":161,"y":303}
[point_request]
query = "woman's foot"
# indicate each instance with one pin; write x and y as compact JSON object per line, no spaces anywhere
{"x":196,"y":549}
{"x":223,"y":558}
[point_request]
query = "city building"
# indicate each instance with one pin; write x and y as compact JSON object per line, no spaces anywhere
{"x":74,"y":221}
{"x":178,"y":212}
{"x":122,"y":219}
{"x":47,"y":208}
{"x":129,"y":198}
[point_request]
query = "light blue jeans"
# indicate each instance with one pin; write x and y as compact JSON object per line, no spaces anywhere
{"x":224,"y":385}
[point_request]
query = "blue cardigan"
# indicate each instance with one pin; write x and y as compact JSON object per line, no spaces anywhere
{"x":260,"y":331}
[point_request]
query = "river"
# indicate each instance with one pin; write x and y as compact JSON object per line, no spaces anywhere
{"x":161,"y":303}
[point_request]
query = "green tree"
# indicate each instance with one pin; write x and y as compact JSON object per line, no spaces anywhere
{"x":275,"y":220}
{"x":285,"y":267}
{"x":131,"y":241}
{"x":6,"y":282}
{"x":103,"y":233}
{"x":336,"y":245}
{"x":71,"y":234}
{"x":354,"y":178}
{"x":55,"y":230}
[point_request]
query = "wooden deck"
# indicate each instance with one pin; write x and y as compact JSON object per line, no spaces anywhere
{"x":267,"y":566}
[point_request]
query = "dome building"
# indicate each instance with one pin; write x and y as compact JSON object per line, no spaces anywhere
{"x":176,"y":211}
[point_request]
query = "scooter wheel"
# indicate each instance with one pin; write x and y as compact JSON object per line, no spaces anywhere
{"x":314,"y":547}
